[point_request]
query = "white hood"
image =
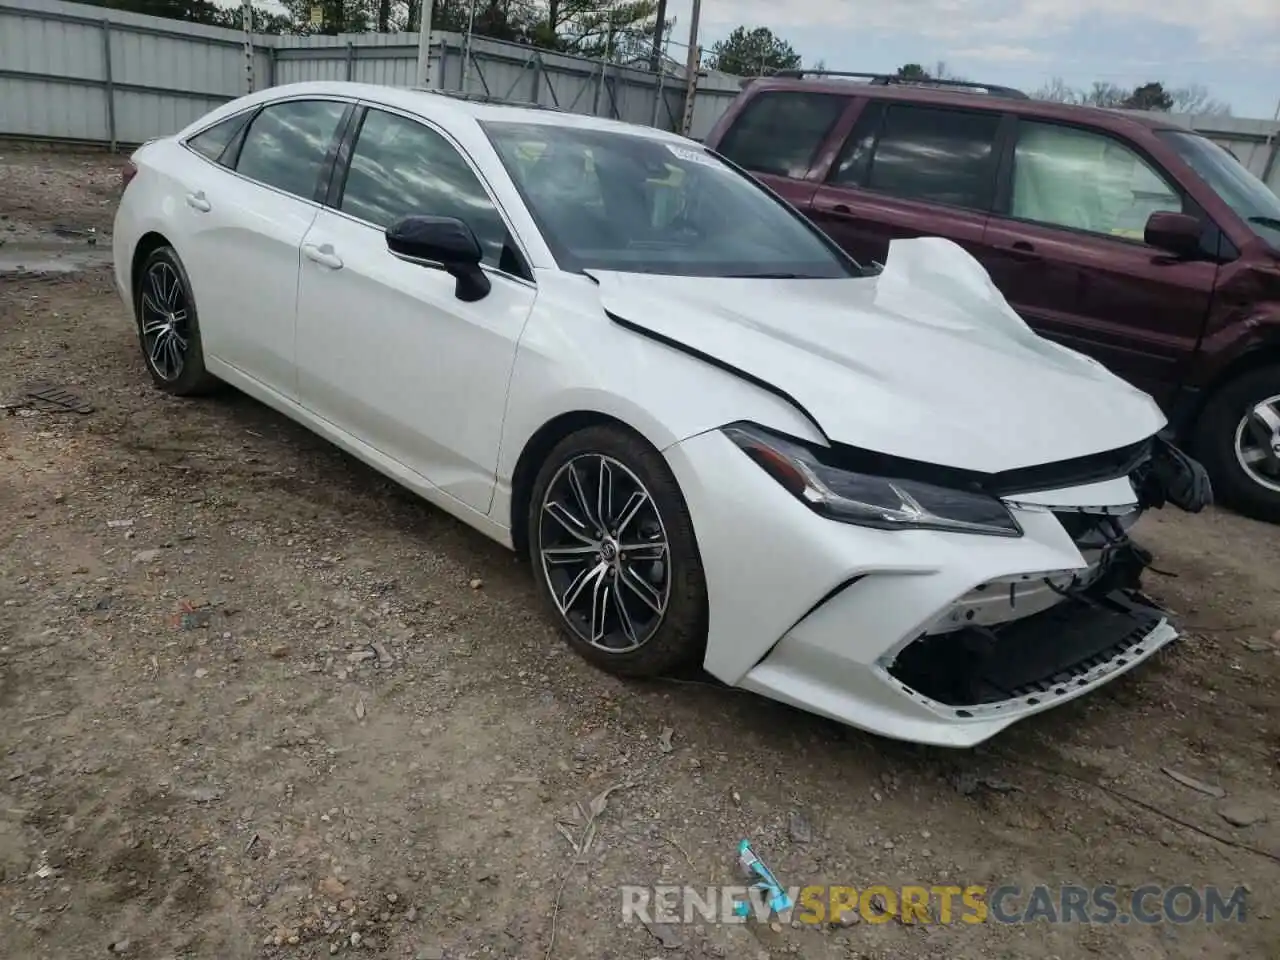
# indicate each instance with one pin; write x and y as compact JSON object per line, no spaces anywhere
{"x":927,"y":361}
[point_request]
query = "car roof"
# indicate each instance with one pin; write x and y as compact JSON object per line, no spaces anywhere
{"x":446,"y":106}
{"x":940,"y":96}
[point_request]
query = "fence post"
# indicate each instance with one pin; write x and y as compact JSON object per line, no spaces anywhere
{"x":351,"y":60}
{"x":595,"y":103}
{"x":271,"y":66}
{"x":110,"y":82}
{"x":535,"y":86}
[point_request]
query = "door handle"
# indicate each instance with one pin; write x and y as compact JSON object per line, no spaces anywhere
{"x":1024,"y":251}
{"x":197,"y":201}
{"x":323,"y":255}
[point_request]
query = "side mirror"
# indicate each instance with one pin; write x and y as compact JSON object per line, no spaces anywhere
{"x":445,"y":243}
{"x":1175,"y":233}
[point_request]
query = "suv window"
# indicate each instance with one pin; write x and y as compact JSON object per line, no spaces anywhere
{"x":401,"y":167}
{"x":287,"y":142}
{"x":934,"y":154}
{"x":1069,"y":177}
{"x":213,"y":141}
{"x":780,"y":133}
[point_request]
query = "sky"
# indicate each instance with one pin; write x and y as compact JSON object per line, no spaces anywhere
{"x":1234,"y":52}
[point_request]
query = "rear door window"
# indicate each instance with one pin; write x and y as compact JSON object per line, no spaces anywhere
{"x":928,"y":153}
{"x":288,"y":142}
{"x":780,"y":132}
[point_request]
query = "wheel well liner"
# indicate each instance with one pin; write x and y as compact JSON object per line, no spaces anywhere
{"x":535,"y":453}
{"x":147,"y":245}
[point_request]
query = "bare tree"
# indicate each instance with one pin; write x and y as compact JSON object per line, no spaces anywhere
{"x":1103,"y":93}
{"x":1057,"y":91}
{"x":1195,"y":98}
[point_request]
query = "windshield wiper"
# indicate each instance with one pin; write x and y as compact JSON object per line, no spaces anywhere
{"x":1273,"y":222}
{"x":771,"y":276}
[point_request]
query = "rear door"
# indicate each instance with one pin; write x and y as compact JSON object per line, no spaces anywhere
{"x":1066,"y":249}
{"x":778,"y":136}
{"x":249,"y":201}
{"x":910,"y":170}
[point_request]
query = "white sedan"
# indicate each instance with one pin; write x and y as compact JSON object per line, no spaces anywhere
{"x":872,"y":493}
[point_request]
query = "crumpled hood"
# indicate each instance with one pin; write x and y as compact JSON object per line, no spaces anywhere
{"x":926,"y":361}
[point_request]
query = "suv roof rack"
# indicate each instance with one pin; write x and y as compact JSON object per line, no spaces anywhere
{"x":487,"y":98}
{"x":890,"y":79}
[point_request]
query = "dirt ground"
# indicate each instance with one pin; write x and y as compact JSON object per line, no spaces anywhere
{"x":257,"y":702}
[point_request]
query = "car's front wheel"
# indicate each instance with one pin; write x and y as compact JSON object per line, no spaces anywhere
{"x":613,"y":551}
{"x":1238,"y":440}
{"x":168,"y":328}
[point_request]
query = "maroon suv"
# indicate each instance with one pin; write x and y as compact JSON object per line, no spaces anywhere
{"x":1145,"y":245}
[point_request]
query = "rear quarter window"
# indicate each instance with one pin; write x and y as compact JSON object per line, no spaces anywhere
{"x":780,"y":132}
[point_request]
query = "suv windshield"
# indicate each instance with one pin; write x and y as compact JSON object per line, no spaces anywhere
{"x":617,"y":201}
{"x":1231,"y":180}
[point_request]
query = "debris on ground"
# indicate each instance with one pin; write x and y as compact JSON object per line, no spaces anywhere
{"x":1187,"y":780}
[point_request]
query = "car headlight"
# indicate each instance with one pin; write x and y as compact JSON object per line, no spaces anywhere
{"x":867,"y":500}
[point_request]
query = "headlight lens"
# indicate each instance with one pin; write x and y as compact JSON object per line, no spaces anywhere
{"x":867,"y":500}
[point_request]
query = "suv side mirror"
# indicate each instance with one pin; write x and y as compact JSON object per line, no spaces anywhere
{"x":1176,"y":233}
{"x":445,"y":243}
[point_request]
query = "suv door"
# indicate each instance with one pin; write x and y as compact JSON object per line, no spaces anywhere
{"x":907,"y":171}
{"x":250,"y":200}
{"x":386,"y":350}
{"x":1066,"y":248}
{"x":777,"y":136}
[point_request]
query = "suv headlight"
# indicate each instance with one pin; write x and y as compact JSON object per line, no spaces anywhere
{"x":867,"y":500}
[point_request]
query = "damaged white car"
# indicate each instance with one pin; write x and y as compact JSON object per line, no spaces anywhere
{"x":871,"y":493}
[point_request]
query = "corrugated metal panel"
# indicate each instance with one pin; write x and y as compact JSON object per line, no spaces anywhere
{"x":166,"y":73}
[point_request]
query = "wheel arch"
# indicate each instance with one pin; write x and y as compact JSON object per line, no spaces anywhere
{"x":534,"y":454}
{"x":1262,"y":353}
{"x":147,"y":244}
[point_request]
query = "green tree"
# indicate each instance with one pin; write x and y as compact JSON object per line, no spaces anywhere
{"x":913,"y":71}
{"x":753,"y":53}
{"x":1149,"y":96}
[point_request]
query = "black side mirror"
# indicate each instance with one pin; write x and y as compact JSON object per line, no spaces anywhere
{"x":445,"y":243}
{"x":1175,"y":233}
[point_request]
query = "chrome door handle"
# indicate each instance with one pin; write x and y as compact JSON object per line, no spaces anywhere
{"x":198,"y":202}
{"x":323,"y":255}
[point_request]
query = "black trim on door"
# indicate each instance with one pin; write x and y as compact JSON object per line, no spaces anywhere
{"x":336,"y":156}
{"x":1006,"y":143}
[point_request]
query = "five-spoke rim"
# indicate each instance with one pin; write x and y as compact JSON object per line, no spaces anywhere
{"x":604,"y":553}
{"x":165,"y":325}
{"x":1258,"y":443}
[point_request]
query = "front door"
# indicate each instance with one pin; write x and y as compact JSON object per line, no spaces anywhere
{"x":386,"y":351}
{"x":910,"y":171}
{"x":1068,"y":254}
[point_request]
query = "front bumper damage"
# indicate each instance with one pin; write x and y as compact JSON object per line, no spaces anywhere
{"x":926,"y":636}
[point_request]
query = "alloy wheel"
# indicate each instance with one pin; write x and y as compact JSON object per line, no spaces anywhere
{"x":604,"y":553}
{"x":165,"y":320}
{"x":1257,"y":443}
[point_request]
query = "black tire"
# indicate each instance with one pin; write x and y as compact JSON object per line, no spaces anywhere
{"x":162,"y":287}
{"x":1215,"y":444}
{"x":678,"y":635}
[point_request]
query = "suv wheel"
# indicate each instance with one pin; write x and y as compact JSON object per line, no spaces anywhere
{"x":1238,"y":440}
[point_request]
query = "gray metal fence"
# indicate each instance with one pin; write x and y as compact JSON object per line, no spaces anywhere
{"x":74,"y":72}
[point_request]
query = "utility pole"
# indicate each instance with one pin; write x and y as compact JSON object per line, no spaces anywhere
{"x":424,"y":45}
{"x":246,"y":15}
{"x":691,"y":68}
{"x":466,"y":51}
{"x":659,"y":29}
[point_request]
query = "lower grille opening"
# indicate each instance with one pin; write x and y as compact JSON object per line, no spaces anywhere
{"x":1046,"y":653}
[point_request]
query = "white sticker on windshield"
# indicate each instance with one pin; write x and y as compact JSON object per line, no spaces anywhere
{"x":692,"y":156}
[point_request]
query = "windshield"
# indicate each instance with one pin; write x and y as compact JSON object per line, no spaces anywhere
{"x":1231,"y":180}
{"x":618,"y":201}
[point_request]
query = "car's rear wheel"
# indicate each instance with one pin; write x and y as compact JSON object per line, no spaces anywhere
{"x":168,"y":328}
{"x":1238,"y":440}
{"x":614,"y":554}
